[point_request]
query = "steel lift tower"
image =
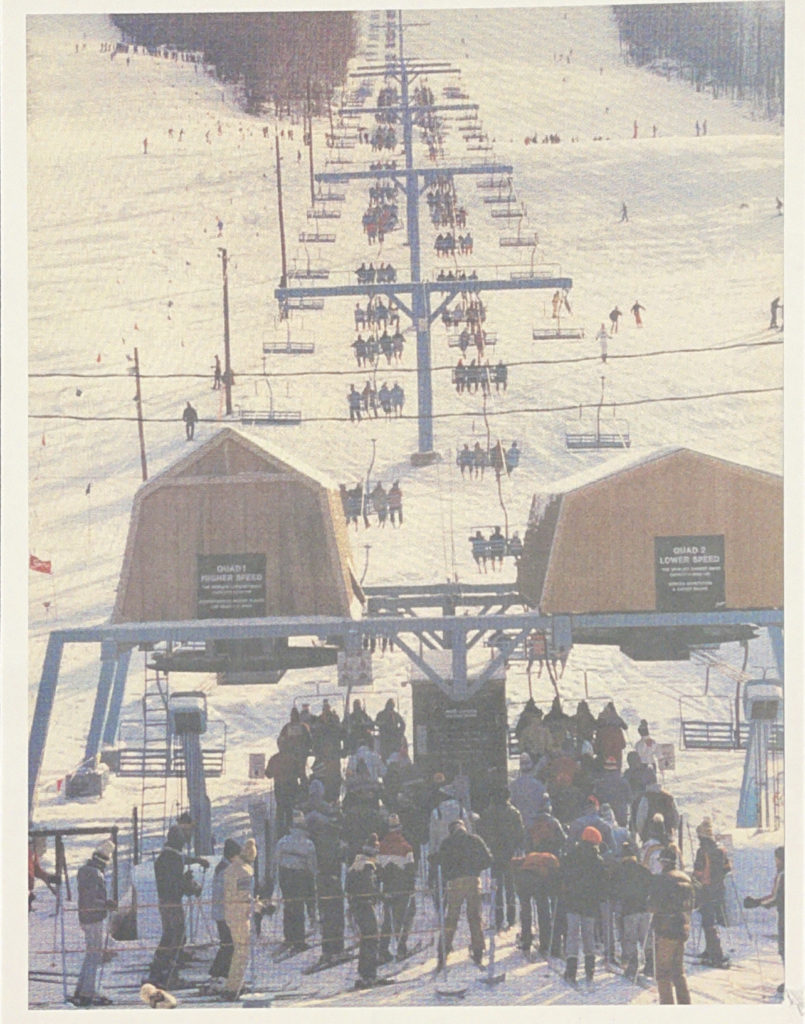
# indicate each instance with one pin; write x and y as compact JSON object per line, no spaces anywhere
{"x":414,"y":296}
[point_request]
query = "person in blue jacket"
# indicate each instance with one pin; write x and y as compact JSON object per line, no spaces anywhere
{"x":93,"y":906}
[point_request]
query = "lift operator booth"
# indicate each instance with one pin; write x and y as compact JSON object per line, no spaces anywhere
{"x":465,"y":737}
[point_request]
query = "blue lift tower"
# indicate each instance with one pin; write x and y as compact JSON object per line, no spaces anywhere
{"x":414,"y":297}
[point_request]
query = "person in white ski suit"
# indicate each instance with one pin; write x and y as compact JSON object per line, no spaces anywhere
{"x":238,"y":907}
{"x":602,"y":338}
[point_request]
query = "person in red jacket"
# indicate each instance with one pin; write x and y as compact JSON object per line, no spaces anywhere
{"x":535,"y":878}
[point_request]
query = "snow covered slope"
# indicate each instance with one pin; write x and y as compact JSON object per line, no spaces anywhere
{"x":123,"y":252}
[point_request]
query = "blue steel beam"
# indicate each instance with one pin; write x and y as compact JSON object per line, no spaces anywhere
{"x":135,"y":633}
{"x":413,"y":109}
{"x":451,"y":288}
{"x":99,"y":711}
{"x":116,"y":700}
{"x":42,"y":711}
{"x":343,"y":176}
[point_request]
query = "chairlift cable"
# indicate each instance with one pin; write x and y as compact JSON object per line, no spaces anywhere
{"x":448,"y":367}
{"x":436,"y":416}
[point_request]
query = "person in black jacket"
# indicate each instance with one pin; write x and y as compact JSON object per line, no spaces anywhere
{"x":462,"y":857}
{"x":671,"y":901}
{"x":363,"y":892}
{"x":711,"y":867}
{"x":169,"y":874}
{"x":630,"y":884}
{"x":93,"y":907}
{"x":582,"y":886}
{"x":390,"y":729}
{"x":501,"y":828}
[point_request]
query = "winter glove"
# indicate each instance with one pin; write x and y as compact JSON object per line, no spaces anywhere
{"x":202,"y":862}
{"x":751,"y":902}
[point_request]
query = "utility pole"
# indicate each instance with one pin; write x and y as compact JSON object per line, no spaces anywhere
{"x":227,"y":365}
{"x":139,"y":401}
{"x":284,"y":277}
{"x":310,"y":144}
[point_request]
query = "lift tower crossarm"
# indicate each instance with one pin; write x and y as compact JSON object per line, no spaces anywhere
{"x":343,"y":176}
{"x":411,"y":108}
{"x":402,"y":288}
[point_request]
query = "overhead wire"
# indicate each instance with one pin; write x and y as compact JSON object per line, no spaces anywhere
{"x":39,"y":375}
{"x":573,"y":407}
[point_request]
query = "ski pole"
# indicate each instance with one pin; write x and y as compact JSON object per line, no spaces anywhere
{"x":60,"y":912}
{"x":654,"y":955}
{"x":442,"y":935}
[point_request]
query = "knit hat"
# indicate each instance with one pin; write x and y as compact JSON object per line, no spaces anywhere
{"x":611,"y":764}
{"x":175,"y":838}
{"x":249,"y":851}
{"x":592,"y":801}
{"x":591,"y":835}
{"x":105,"y":850}
{"x":231,"y":848}
{"x":394,"y":822}
{"x":526,"y":764}
{"x":371,"y":845}
{"x":643,"y":727}
{"x":185,"y":818}
{"x":704,"y":830}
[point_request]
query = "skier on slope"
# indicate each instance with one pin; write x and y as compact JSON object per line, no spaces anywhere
{"x":671,"y":901}
{"x":582,"y":882}
{"x":295,"y":869}
{"x":395,"y":862}
{"x":501,"y":827}
{"x":238,"y":907}
{"x":614,"y":317}
{"x":711,"y":867}
{"x":462,"y":857}
{"x":636,"y":309}
{"x":190,"y":417}
{"x":219,"y":970}
{"x":363,"y":891}
{"x":93,"y":906}
{"x":325,"y":825}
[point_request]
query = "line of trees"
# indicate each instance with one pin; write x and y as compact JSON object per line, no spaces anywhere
{"x":732,"y":48}
{"x":272,"y":55}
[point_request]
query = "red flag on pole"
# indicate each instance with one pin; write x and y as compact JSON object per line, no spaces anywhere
{"x":38,"y":565}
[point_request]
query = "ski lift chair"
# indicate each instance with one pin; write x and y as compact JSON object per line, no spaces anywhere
{"x":557,"y":333}
{"x":265,"y":417}
{"x":594,"y":436}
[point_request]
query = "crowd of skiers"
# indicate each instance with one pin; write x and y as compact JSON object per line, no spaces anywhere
{"x":585,"y":857}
